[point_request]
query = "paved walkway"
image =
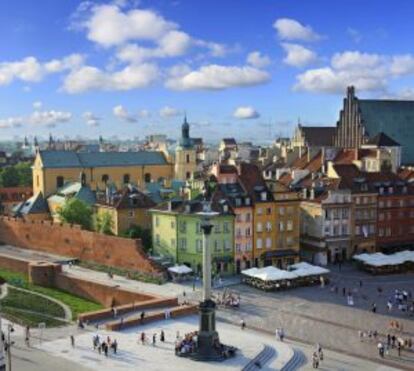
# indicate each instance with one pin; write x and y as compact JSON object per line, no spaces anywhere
{"x":32,"y":255}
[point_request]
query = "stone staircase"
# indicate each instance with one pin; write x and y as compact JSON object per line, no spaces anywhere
{"x":261,"y":359}
{"x":298,"y":360}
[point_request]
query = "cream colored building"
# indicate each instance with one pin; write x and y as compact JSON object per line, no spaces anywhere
{"x":185,"y":155}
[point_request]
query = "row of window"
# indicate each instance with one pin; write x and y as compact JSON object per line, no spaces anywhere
{"x":243,"y":247}
{"x":267,"y":242}
{"x":388,"y":231}
{"x":364,"y":200}
{"x":400,"y":215}
{"x":336,"y":230}
{"x":282,"y":226}
{"x":395,"y":203}
{"x":281,"y":210}
{"x":365,"y":214}
{"x":126,"y":178}
{"x":365,"y":230}
{"x":337,"y":213}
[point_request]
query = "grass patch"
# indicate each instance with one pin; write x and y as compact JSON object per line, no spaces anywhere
{"x":75,"y":303}
{"x":29,"y":319}
{"x":27,"y":301}
{"x":131,"y":274}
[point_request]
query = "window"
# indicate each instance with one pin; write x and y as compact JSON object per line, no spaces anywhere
{"x":365,"y":199}
{"x":238,"y":202}
{"x":131,"y":213}
{"x":389,"y":203}
{"x":226,"y":228}
{"x":226,"y":245}
{"x":183,"y":227}
{"x":248,"y":216}
{"x":157,"y":221}
{"x":289,"y":241}
{"x":372,"y":229}
{"x":268,"y":211}
{"x":259,"y":211}
{"x":157,"y":239}
{"x":381,"y":216}
{"x":172,"y":242}
{"x":389,"y":215}
{"x":402,"y":203}
{"x":259,"y":243}
{"x":126,"y":178}
{"x":216,"y":245}
{"x":248,"y":232}
{"x":381,"y":232}
{"x":239,"y":218}
{"x":83,"y":178}
{"x":335,"y":230}
{"x":388,"y":231}
{"x":259,"y":227}
{"x":381,"y":203}
{"x":247,"y":202}
{"x":147,"y":178}
{"x":172,"y":224}
{"x":327,"y":230}
{"x":198,"y":227}
{"x":345,"y":229}
{"x":268,"y":227}
{"x":281,"y":226}
{"x":199,"y":245}
{"x":37,"y":180}
{"x":289,"y":210}
{"x":281,"y":210}
{"x":105,"y":178}
{"x":183,"y":244}
{"x":357,"y":230}
{"x":345,"y":213}
{"x":263,"y":196}
{"x":238,"y":247}
{"x":188,"y":175}
{"x":59,"y":181}
{"x":289,"y":225}
{"x":249,"y":246}
{"x":217,"y":228}
{"x":187,"y":158}
{"x":268,"y":243}
{"x":238,"y":232}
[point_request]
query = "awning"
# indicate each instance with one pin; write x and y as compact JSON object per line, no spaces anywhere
{"x":180,"y":269}
{"x":279,"y":253}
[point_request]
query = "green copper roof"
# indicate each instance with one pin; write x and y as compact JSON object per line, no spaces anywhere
{"x":64,"y":159}
{"x":393,"y":117}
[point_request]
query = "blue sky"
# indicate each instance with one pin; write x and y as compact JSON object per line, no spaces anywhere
{"x":246,"y":68}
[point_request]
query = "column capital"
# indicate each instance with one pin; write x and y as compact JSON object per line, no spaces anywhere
{"x":207,"y":228}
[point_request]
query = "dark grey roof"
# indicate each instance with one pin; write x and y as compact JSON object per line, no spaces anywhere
{"x":393,"y":117}
{"x":383,"y":140}
{"x":318,"y":136}
{"x":63,"y":159}
{"x":229,"y":141}
{"x":35,"y":204}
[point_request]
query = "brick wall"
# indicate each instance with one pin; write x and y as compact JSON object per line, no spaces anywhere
{"x":14,"y":265}
{"x":74,"y":242}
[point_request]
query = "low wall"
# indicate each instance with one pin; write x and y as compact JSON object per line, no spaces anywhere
{"x":75,"y":242}
{"x":128,"y":308}
{"x":15,"y":265}
{"x":175,"y":312}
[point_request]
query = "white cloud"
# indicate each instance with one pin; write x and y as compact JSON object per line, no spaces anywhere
{"x":297,"y":55}
{"x":168,"y":111}
{"x":290,"y":29}
{"x":354,"y":34}
{"x":402,"y":65}
{"x":109,"y":26}
{"x":246,"y":112}
{"x":37,"y":105}
{"x":91,"y":119}
{"x":369,"y":72}
{"x":256,"y":59}
{"x":11,"y":122}
{"x":144,"y":113}
{"x":31,"y":70}
{"x":215,"y":77}
{"x":123,"y":114}
{"x":88,"y":78}
{"x":49,"y":118}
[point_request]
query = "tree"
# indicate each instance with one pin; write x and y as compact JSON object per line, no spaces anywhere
{"x":24,"y":170}
{"x":75,"y":211}
{"x":10,"y":177}
{"x":137,"y":231}
{"x":104,"y":223}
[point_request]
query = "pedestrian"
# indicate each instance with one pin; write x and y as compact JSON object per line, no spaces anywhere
{"x":393,"y":339}
{"x":72,"y":341}
{"x":277,"y":332}
{"x":380,"y":347}
{"x":282,"y":334}
{"x":114,"y":346}
{"x":142,"y":317}
{"x":162,"y":336}
{"x":360,"y":283}
{"x":242,"y":324}
{"x":177,"y":335}
{"x":105,"y":348}
{"x":143,"y":338}
{"x":374,"y":308}
{"x":388,"y":340}
{"x":360,"y":335}
{"x":27,"y":336}
{"x":399,"y":346}
{"x":315,"y":360}
{"x":343,"y":291}
{"x":154,"y":336}
{"x":194,"y":285}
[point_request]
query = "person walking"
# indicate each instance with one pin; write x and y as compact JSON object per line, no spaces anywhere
{"x":154,"y":338}
{"x":72,"y":341}
{"x":162,"y":336}
{"x":380,"y":347}
{"x":242,"y":324}
{"x":388,"y":340}
{"x":374,"y":307}
{"x":399,"y":346}
{"x":105,"y":348}
{"x":282,"y":334}
{"x":315,"y":360}
{"x":143,"y":338}
{"x":142,"y":317}
{"x":114,"y":346}
{"x":27,"y":336}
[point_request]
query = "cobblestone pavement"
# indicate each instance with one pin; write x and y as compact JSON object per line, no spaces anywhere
{"x":315,"y":314}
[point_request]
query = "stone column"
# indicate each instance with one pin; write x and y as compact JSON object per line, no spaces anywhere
{"x":206,"y":226}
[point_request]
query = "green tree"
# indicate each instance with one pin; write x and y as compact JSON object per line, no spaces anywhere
{"x":75,"y":211}
{"x":137,"y":231}
{"x":9,"y":177}
{"x":104,"y":223}
{"x":24,"y":170}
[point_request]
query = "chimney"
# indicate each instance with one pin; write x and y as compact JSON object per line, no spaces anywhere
{"x":169,"y":205}
{"x":312,"y":194}
{"x":304,"y":193}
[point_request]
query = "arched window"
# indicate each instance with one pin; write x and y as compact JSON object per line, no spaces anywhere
{"x":59,"y":181}
{"x":188,"y":175}
{"x":105,"y":178}
{"x":187,"y":158}
{"x":126,"y":178}
{"x":147,"y":177}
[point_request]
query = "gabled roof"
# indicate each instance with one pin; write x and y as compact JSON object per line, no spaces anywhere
{"x":316,"y":136}
{"x":383,"y":140}
{"x":254,"y":183}
{"x":127,"y":199}
{"x":34,"y":205}
{"x":65,"y":159}
{"x":229,"y":141}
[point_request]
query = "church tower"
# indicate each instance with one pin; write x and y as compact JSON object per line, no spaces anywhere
{"x":185,"y":155}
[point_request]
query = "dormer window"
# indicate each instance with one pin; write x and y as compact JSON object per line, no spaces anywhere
{"x":263,"y":196}
{"x":225,"y":208}
{"x":247,"y":201}
{"x":381,"y":190}
{"x":391,"y":190}
{"x":187,"y":208}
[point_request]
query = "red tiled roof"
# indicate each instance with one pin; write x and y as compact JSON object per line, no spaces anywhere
{"x":13,"y":194}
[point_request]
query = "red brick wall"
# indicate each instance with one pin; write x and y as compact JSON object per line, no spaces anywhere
{"x":75,"y":242}
{"x":106,"y":295}
{"x":14,"y":265}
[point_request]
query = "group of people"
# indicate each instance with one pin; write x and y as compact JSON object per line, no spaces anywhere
{"x":104,"y":345}
{"x":229,"y":299}
{"x":401,"y":300}
{"x":280,"y":334}
{"x":317,"y":356}
{"x":187,"y":344}
{"x":143,"y":338}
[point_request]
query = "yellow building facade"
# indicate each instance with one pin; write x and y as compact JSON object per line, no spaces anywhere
{"x":52,"y":169}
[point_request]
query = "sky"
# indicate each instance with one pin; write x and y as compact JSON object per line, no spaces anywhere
{"x":247,"y":68}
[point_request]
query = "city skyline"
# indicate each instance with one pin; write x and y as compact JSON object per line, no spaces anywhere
{"x":258,"y":67}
